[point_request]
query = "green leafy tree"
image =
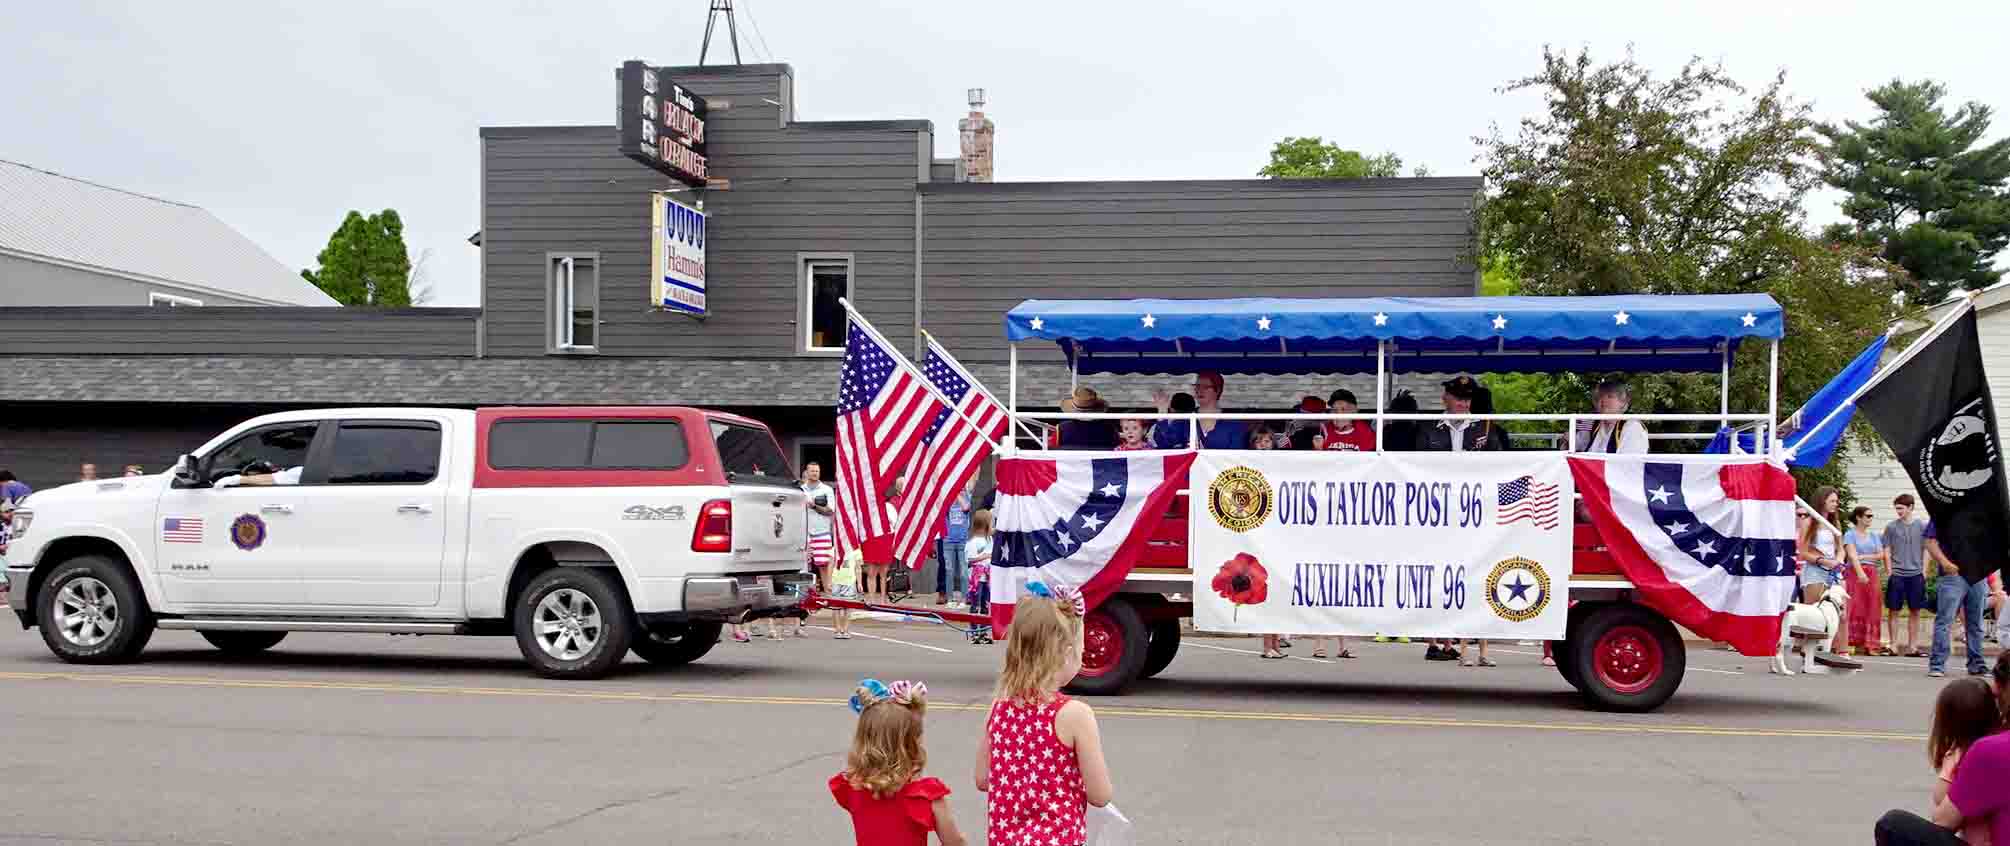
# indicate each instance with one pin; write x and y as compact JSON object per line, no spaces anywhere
{"x":365,"y":262}
{"x":1626,"y":183}
{"x":1314,"y":158}
{"x":1920,"y":191}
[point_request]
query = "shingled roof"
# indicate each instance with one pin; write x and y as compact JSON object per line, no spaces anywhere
{"x":559,"y":381}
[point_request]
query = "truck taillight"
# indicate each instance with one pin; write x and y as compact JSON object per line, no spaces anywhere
{"x":715,"y":527}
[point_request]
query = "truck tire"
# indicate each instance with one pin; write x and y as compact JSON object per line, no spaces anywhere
{"x":1162,"y":644}
{"x":1114,"y":644}
{"x":672,"y":646}
{"x":573,"y":623}
{"x":243,"y":643}
{"x":92,"y":612}
{"x":1629,"y":658}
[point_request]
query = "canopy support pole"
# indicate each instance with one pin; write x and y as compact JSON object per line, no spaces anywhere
{"x":1724,"y":387}
{"x":1773,"y":399}
{"x":1011,"y":446}
{"x":1381,"y":402}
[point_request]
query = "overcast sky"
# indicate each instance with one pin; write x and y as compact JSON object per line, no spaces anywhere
{"x":280,"y":116}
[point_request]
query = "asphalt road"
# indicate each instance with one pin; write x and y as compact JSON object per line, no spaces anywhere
{"x":377,"y":739}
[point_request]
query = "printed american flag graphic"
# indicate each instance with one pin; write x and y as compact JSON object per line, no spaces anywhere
{"x":181,"y":530}
{"x":1526,"y":499}
{"x":951,"y":452}
{"x":883,"y":411}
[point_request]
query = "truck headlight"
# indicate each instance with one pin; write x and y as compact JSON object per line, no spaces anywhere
{"x":22,"y":517}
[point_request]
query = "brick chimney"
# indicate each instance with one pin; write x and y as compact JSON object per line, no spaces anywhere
{"x":975,"y":131}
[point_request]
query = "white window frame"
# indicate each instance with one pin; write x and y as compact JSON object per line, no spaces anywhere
{"x":559,"y":293}
{"x":156,"y":299}
{"x":806,"y":300}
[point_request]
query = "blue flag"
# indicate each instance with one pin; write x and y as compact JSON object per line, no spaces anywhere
{"x":1808,"y":446}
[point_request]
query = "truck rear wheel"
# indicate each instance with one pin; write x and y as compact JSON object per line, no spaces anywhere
{"x":1628,"y":657}
{"x":92,"y":612}
{"x":574,"y":623}
{"x":243,"y":643}
{"x":1114,"y":643}
{"x":673,"y":646}
{"x":1162,"y":645}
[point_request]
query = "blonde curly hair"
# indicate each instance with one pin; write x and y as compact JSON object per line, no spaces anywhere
{"x":886,"y":750}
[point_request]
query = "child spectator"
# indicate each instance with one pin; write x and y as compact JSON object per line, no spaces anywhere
{"x":890,"y":802}
{"x":979,"y":551}
{"x":1343,"y":432}
{"x":1131,"y":434}
{"x":1965,"y":712}
{"x":1041,"y":756}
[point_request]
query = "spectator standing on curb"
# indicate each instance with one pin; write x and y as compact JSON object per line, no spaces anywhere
{"x":954,"y":575}
{"x":12,"y":489}
{"x":1905,"y":541}
{"x":1864,"y":600}
{"x":1954,"y":595}
{"x":6,"y":530}
{"x":87,"y":473}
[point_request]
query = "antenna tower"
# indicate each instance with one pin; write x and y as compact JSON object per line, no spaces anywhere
{"x":732,"y":30}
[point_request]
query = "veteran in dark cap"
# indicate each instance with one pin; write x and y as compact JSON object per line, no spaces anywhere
{"x":1458,"y":432}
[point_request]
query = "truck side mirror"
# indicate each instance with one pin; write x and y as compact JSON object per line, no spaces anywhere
{"x":184,"y":473}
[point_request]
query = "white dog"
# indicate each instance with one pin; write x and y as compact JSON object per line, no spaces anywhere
{"x":1814,"y":627}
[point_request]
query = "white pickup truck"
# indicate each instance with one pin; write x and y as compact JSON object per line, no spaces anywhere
{"x":585,"y":532}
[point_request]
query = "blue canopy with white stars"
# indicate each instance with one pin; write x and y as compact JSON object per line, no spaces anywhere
{"x":1663,"y":333}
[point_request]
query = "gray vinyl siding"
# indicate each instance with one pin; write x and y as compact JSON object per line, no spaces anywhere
{"x":988,"y":246}
{"x":29,"y":282}
{"x":825,"y":187}
{"x":230,"y":332}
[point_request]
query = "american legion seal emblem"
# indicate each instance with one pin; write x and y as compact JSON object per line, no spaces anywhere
{"x":1240,"y":499}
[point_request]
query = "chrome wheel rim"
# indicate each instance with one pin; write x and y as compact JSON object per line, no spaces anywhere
{"x":86,"y":612}
{"x":567,"y":624}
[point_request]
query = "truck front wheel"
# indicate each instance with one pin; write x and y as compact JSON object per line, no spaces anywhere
{"x":1628,"y":658}
{"x":573,"y":623}
{"x":92,"y":612}
{"x":672,"y":646}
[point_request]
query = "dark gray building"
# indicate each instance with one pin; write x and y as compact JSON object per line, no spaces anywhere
{"x":815,"y":210}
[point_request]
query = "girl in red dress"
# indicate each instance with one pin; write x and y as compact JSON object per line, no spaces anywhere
{"x":1041,"y":757}
{"x":890,"y":803}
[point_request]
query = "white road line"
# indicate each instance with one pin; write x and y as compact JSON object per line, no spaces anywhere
{"x":1691,"y":667}
{"x":889,"y":640}
{"x":1254,"y":652}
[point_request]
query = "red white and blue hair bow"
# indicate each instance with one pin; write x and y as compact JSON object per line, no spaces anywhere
{"x":1062,"y":595}
{"x":871,"y":692}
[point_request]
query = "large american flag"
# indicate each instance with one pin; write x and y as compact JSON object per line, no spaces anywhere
{"x":1526,"y":499}
{"x":951,"y":452}
{"x":883,"y":411}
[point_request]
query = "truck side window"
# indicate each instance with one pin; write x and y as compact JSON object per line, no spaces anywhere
{"x":639,"y":445}
{"x":282,"y":445}
{"x":533,"y":444}
{"x":384,"y":453}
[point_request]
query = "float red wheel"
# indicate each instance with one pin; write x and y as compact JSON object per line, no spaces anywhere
{"x":1628,"y":657}
{"x":1114,"y":643}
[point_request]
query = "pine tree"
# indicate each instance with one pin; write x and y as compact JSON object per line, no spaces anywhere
{"x":365,"y":262}
{"x":1921,"y":192}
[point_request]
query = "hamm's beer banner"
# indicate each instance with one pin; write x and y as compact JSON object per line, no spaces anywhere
{"x":1473,"y":544}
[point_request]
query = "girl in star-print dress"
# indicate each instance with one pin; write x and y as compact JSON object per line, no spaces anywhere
{"x":1041,"y":757}
{"x":891,"y":803}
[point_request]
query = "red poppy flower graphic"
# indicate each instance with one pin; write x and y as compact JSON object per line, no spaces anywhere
{"x":1243,"y":581}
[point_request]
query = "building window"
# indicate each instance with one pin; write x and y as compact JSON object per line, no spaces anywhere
{"x":575,"y":302}
{"x":161,"y":300}
{"x":826,"y":279}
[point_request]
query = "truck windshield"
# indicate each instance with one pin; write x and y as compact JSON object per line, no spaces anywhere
{"x":749,"y":454}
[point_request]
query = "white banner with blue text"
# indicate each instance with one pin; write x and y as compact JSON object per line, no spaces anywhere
{"x":1411,"y":544}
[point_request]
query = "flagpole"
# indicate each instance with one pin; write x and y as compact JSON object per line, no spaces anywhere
{"x":1942,"y":325}
{"x":908,"y":365}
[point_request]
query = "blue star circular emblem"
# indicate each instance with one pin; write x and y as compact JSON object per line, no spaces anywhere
{"x":1518,"y":590}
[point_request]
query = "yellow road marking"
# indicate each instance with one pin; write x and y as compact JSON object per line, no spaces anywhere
{"x":1104,"y":710}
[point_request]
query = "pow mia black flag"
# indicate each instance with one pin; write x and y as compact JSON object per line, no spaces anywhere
{"x":1936,"y":414}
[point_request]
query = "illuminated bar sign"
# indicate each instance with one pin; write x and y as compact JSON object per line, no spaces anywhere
{"x":662,"y":125}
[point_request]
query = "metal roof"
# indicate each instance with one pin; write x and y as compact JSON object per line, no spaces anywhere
{"x":56,"y":218}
